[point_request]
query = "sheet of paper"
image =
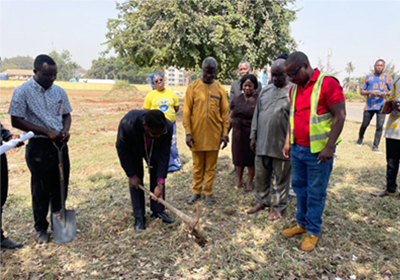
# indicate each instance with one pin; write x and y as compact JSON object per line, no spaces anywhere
{"x":12,"y":143}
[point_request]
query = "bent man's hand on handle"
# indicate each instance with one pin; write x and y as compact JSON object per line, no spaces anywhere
{"x":158,"y":191}
{"x":134,"y":182}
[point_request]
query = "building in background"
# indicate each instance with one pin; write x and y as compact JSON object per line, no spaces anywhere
{"x":174,"y":76}
{"x":18,"y":74}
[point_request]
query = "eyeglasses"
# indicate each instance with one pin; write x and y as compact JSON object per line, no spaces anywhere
{"x":158,"y":134}
{"x":158,"y":81}
{"x":292,"y":75}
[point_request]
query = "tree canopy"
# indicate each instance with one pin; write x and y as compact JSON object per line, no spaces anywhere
{"x":350,"y":68}
{"x":182,"y":33}
{"x":67,"y":69}
{"x":17,"y":62}
{"x":116,"y":68}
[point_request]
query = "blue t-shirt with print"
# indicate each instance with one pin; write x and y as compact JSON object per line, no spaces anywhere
{"x":377,"y":83}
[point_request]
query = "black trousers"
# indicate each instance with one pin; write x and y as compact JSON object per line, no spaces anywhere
{"x":392,"y":161}
{"x":380,"y":120}
{"x":4,"y":189}
{"x":137,"y":196}
{"x":42,"y":160}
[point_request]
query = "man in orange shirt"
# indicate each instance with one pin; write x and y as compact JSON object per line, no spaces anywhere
{"x":206,"y":122}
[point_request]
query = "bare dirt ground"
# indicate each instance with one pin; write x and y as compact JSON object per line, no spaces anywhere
{"x":360,"y":237}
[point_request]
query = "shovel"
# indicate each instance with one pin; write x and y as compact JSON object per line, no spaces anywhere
{"x":64,"y":222}
{"x":193,"y":223}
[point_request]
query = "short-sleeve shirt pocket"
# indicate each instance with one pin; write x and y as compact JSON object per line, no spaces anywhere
{"x":215,"y":101}
{"x":55,"y":106}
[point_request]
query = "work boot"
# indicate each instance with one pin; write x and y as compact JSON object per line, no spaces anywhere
{"x":42,"y":237}
{"x":193,"y":198}
{"x":9,"y":244}
{"x":309,"y":242}
{"x":290,"y":232}
{"x":140,"y":224}
{"x":164,"y":217}
{"x":209,"y":200}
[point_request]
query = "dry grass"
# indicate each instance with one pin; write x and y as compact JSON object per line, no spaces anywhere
{"x":360,"y":233}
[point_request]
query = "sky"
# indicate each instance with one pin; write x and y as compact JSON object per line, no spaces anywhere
{"x":354,"y":31}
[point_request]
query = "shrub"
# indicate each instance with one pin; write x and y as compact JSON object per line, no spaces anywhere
{"x":354,"y":97}
{"x":122,"y":90}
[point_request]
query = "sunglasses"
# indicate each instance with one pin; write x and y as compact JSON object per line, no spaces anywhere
{"x":292,"y":75}
{"x":158,"y":81}
{"x":158,"y":134}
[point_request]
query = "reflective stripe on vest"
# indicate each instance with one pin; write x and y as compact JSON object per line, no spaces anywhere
{"x":320,"y":125}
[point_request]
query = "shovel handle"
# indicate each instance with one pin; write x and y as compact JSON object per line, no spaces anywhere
{"x":62,"y":181}
{"x":192,"y":223}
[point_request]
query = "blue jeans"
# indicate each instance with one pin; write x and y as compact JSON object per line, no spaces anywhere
{"x":309,"y":181}
{"x":174,"y":160}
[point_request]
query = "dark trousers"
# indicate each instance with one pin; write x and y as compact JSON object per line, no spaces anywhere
{"x":4,"y":189}
{"x":392,"y":160}
{"x":42,"y":160}
{"x":137,"y":196}
{"x":282,"y":168}
{"x":380,"y":120}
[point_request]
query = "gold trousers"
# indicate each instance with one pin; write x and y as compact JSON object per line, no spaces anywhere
{"x":204,"y":167}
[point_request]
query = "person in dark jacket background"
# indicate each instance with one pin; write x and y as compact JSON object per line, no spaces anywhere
{"x":148,"y":135}
{"x":6,"y":135}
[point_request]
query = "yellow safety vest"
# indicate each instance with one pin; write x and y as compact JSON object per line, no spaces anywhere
{"x":320,"y":125}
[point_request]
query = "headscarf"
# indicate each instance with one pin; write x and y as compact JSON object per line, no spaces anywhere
{"x":151,"y":79}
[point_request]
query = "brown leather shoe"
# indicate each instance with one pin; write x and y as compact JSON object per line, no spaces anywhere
{"x":290,"y":232}
{"x":383,"y":193}
{"x":309,"y":242}
{"x":256,"y":208}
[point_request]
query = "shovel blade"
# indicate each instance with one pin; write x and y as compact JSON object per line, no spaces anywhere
{"x":64,"y":232}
